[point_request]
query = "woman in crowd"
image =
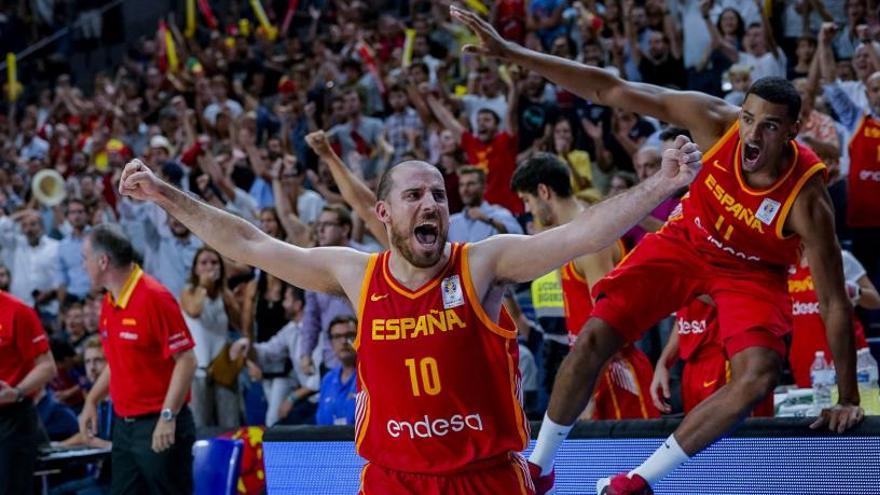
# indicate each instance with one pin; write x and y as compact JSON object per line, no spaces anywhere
{"x":209,"y":308}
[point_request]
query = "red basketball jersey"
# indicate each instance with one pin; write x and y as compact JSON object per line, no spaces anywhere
{"x":577,"y":300}
{"x":863,"y":193}
{"x":808,"y":335}
{"x":697,"y":330}
{"x":438,"y":379}
{"x":735,"y":225}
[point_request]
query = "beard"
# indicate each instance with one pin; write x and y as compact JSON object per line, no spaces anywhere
{"x":401,"y":241}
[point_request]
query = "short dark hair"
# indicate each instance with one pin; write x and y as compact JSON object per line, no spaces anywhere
{"x":673,"y":132}
{"x":542,"y":168}
{"x":472,"y":170}
{"x":110,"y":240}
{"x":342,"y":319}
{"x":386,"y":182}
{"x":342,"y":213}
{"x":778,"y":91}
{"x":71,"y":201}
{"x":493,"y":113}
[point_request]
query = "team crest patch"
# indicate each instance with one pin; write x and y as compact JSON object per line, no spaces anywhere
{"x":452,"y":293}
{"x":767,"y":211}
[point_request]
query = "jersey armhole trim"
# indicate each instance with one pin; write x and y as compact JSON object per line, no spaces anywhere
{"x":789,"y":201}
{"x":365,"y":287}
{"x":721,"y":141}
{"x":476,"y":303}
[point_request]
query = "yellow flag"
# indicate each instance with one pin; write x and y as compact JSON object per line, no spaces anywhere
{"x":13,"y":87}
{"x":190,"y":18}
{"x":478,"y":6}
{"x":408,"y":47}
{"x":171,"y":52}
{"x":271,"y":31}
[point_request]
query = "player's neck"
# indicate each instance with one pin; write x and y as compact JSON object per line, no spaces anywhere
{"x":767,"y":175}
{"x":412,"y":277}
{"x":567,"y":209}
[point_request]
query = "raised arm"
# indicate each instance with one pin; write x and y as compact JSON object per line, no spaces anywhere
{"x":354,"y":191}
{"x":445,"y":117}
{"x":706,"y":116}
{"x":812,"y":217}
{"x":506,"y":258}
{"x":335,"y":270}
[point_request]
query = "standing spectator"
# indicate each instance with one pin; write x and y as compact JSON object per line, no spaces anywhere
{"x":761,"y":52}
{"x":623,"y":134}
{"x":402,"y":123}
{"x":26,"y":366}
{"x":220,"y":100}
{"x":263,"y":317}
{"x":32,"y":258}
{"x":561,"y":143}
{"x":847,"y":40}
{"x":334,"y":229}
{"x":300,"y":405}
{"x":490,"y":149}
{"x":863,"y":186}
{"x":150,"y":369}
{"x":661,"y":63}
{"x":170,"y":250}
{"x":336,"y":403}
{"x":544,"y":17}
{"x":479,"y":219}
{"x":208,"y":309}
{"x":359,"y":134}
{"x":486,"y":86}
{"x":71,"y":276}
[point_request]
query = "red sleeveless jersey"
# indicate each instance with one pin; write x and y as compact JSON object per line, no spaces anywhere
{"x":808,"y":335}
{"x":863,"y":192}
{"x":438,"y":379}
{"x":576,"y":298}
{"x":735,"y":225}
{"x":697,"y":330}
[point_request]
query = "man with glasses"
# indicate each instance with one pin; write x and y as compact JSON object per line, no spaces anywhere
{"x":336,"y":405}
{"x":334,"y":227}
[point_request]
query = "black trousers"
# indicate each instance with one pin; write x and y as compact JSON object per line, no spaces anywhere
{"x":138,"y":470}
{"x":19,"y":438}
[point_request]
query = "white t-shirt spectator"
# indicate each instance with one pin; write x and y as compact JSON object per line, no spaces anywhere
{"x":211,"y":111}
{"x":31,"y":267}
{"x":474,"y":103}
{"x":309,"y":205}
{"x":766,"y":65}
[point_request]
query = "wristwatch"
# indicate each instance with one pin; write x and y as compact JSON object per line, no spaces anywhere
{"x":167,"y":414}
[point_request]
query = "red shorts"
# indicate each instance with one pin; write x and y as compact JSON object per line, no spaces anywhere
{"x":623,"y":390}
{"x":664,"y":272}
{"x":507,"y":475}
{"x":705,"y":373}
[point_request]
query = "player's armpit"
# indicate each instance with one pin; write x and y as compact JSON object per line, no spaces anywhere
{"x":334,"y":270}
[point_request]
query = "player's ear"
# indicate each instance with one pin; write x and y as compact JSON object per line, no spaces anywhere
{"x":544,"y":192}
{"x":382,"y":212}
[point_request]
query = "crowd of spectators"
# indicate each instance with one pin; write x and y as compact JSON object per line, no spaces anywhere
{"x":387,"y":82}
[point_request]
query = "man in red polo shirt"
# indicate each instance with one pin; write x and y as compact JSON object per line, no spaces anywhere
{"x":150,"y":365}
{"x":26,"y":366}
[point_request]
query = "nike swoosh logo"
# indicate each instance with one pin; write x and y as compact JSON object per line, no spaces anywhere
{"x":378,"y":297}
{"x":709,"y":384}
{"x":717,"y":165}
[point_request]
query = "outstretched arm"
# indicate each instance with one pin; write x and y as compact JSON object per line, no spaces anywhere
{"x":706,"y":116}
{"x":360,"y":197}
{"x":319,"y":269}
{"x":445,"y":117}
{"x":507,"y":258}
{"x":812,"y":218}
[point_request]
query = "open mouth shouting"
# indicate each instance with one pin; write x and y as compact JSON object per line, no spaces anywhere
{"x":427,"y":234}
{"x":751,"y":155}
